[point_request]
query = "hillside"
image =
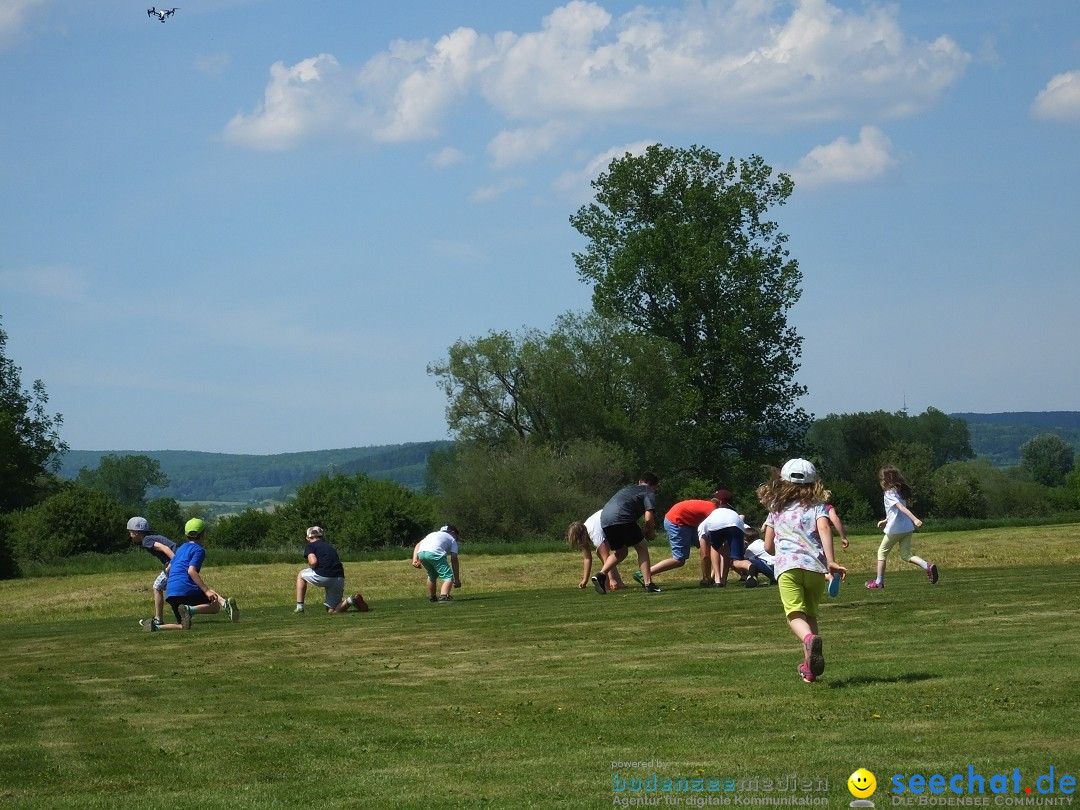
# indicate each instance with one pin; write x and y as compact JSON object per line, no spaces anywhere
{"x":998,"y":437}
{"x":200,"y":476}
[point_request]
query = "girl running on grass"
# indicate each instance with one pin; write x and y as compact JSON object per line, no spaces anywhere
{"x":799,"y":533}
{"x":899,"y":524}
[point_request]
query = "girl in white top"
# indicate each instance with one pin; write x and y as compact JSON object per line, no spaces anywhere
{"x":899,"y":524}
{"x":589,"y":537}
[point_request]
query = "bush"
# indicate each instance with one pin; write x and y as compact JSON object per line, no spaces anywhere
{"x":74,"y":521}
{"x":9,"y":568}
{"x":958,"y":490}
{"x":248,"y":530}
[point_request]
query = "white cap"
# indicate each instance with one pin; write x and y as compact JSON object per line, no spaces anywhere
{"x":138,"y":524}
{"x":799,"y":471}
{"x":315,"y":531}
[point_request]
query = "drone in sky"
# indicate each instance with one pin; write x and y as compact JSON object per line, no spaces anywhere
{"x":160,"y":13}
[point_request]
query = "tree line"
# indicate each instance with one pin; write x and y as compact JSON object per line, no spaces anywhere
{"x":685,"y":365}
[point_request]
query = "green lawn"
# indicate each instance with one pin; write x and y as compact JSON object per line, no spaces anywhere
{"x":526,"y":691}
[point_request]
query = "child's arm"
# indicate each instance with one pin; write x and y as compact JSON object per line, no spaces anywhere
{"x":415,"y":559}
{"x":824,"y":527}
{"x":909,"y":513}
{"x":769,"y":539}
{"x":839,"y":526}
{"x":586,"y":567}
{"x":650,"y":525}
{"x":457,"y":572}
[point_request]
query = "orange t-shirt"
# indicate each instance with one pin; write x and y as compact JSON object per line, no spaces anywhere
{"x":689,"y":513}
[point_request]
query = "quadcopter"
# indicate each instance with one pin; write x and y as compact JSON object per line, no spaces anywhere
{"x":160,"y":13}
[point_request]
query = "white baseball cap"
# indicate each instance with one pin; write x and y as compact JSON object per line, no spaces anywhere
{"x":138,"y":524}
{"x":315,"y":531}
{"x":799,"y":471}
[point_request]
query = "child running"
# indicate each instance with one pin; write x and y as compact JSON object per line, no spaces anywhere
{"x":899,"y":524}
{"x":799,"y":533}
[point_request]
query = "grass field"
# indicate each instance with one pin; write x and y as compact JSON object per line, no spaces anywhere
{"x":526,"y":692}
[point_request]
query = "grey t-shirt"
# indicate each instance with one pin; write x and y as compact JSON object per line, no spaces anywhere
{"x":627,"y":505}
{"x":150,"y":540}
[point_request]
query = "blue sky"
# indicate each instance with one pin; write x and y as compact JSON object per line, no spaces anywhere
{"x":250,"y":228}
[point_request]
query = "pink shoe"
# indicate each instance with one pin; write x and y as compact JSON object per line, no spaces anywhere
{"x":931,"y":573}
{"x":874,"y":585}
{"x":815,"y":659}
{"x":805,"y":672}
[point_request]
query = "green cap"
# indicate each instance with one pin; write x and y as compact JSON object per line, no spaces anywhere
{"x":194,"y":527}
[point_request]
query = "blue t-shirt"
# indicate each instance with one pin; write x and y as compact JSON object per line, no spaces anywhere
{"x":180,"y":582}
{"x":327,"y":561}
{"x":150,"y":540}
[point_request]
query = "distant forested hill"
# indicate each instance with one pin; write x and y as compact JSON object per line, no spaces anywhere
{"x":999,"y":436}
{"x":197,"y":476}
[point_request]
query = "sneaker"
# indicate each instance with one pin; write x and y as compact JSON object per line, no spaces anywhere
{"x":874,"y":585}
{"x":232,"y":610}
{"x":751,"y":582}
{"x":600,"y":584}
{"x":185,"y":616}
{"x":357,"y":601}
{"x":705,"y":583}
{"x":445,"y":599}
{"x":432,"y":599}
{"x":931,"y":573}
{"x":150,"y":625}
{"x":639,"y":578}
{"x":815,"y":659}
{"x":834,"y":585}
{"x":299,"y":609}
{"x":652,"y":587}
{"x":805,"y":672}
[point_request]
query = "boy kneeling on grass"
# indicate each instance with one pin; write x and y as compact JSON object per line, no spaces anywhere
{"x":325,"y":571}
{"x":186,"y":592}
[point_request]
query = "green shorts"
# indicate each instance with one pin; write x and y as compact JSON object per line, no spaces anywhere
{"x":436,"y":565}
{"x":800,"y":591}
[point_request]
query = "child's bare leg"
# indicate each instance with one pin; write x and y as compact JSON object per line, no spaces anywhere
{"x":159,"y":605}
{"x":643,"y":561}
{"x":301,"y":589}
{"x":431,"y":588}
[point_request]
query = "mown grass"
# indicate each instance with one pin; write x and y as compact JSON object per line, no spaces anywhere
{"x":525,"y":691}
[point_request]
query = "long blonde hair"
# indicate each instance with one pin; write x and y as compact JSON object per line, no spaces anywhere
{"x":776,"y":493}
{"x":577,"y":536}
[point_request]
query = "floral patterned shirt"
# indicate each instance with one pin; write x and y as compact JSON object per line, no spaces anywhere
{"x":798,"y":544}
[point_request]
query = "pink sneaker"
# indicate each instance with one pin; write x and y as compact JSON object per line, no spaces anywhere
{"x":805,"y":672}
{"x":931,"y":573}
{"x":815,"y":658}
{"x":874,"y":585}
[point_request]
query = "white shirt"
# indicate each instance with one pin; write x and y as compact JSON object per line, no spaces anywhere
{"x":721,"y":518}
{"x":896,"y":521}
{"x":592,"y":526}
{"x":438,"y":543}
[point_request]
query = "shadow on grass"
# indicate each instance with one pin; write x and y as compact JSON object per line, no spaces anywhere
{"x":866,"y":680}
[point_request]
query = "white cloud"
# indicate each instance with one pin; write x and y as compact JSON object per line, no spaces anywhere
{"x":56,"y":283}
{"x":1060,"y":99}
{"x":495,"y":190}
{"x":211,"y":64}
{"x":511,"y":147}
{"x":845,"y":162}
{"x":446,"y":157}
{"x":577,"y":185}
{"x":310,"y":98}
{"x":12,"y":17}
{"x":754,"y":64}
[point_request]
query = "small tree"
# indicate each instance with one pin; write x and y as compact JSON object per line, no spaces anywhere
{"x":1046,"y":459}
{"x":30,"y":446}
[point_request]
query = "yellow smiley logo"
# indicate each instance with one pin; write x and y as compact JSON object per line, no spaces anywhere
{"x":861,"y":783}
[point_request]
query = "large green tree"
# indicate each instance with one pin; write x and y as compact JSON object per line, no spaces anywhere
{"x":590,"y":379}
{"x":681,"y":248}
{"x":126,"y":478}
{"x":1047,"y":459}
{"x":30,"y":446}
